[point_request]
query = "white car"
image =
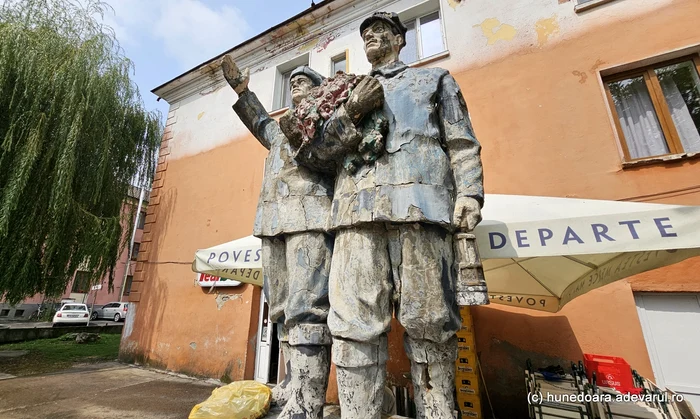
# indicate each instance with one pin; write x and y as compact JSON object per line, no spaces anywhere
{"x":115,"y":311}
{"x":72,"y":314}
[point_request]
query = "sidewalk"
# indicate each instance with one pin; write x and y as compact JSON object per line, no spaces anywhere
{"x":107,"y":390}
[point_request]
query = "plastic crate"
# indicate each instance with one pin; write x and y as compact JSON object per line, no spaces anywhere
{"x":611,"y":371}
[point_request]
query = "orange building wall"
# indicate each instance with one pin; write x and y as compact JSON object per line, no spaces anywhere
{"x":544,"y":123}
{"x":177,"y":324}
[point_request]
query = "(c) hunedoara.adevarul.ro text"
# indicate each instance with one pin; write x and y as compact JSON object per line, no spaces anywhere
{"x":538,"y":397}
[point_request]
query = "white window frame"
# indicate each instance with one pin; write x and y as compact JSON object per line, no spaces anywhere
{"x":283,"y":68}
{"x":415,"y":14}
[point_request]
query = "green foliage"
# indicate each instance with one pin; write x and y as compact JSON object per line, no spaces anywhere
{"x":74,"y":136}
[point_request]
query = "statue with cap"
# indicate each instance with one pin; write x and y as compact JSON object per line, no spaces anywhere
{"x":397,"y":224}
{"x":292,"y":222}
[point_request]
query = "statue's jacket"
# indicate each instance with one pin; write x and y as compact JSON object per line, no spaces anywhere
{"x":293,"y":198}
{"x":432,"y":156}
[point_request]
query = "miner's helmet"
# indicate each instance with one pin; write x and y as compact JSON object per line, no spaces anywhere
{"x":392,"y":19}
{"x":305,"y":70}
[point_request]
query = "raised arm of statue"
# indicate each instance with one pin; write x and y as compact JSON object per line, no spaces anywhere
{"x":248,"y":108}
{"x":465,"y":154}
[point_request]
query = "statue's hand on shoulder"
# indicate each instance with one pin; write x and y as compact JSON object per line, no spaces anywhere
{"x":467,"y":213}
{"x":289,"y":124}
{"x":367,"y":96}
{"x":237,"y":79}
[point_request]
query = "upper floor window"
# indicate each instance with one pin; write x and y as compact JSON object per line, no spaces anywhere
{"x":657,"y":108}
{"x":127,"y":285}
{"x":135,"y":251}
{"x":142,"y":220}
{"x":339,"y":63}
{"x":424,"y":37}
{"x":81,"y":282}
{"x":285,"y":93}
{"x":283,"y":97}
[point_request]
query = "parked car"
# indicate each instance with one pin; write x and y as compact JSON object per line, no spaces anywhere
{"x":115,"y":311}
{"x":72,"y":314}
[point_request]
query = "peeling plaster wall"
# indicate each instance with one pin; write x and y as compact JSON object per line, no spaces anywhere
{"x":477,"y":33}
{"x":530,"y":73}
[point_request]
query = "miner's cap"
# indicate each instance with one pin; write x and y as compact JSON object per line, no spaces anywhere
{"x":390,"y":18}
{"x":307,"y":71}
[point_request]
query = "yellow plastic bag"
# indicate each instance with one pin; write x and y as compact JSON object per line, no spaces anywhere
{"x":238,"y":400}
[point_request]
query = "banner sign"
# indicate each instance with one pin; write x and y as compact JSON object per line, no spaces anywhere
{"x":206,"y":281}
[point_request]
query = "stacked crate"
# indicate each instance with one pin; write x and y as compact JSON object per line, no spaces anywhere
{"x":467,"y":371}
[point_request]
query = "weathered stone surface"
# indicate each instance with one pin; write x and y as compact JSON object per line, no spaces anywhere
{"x":87,"y":337}
{"x":310,"y":366}
{"x":394,"y":218}
{"x":292,"y":221}
{"x":293,"y":198}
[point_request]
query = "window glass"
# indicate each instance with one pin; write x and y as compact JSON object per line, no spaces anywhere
{"x":431,"y":35}
{"x":339,"y":64}
{"x":680,"y":85}
{"x":409,"y":53}
{"x":286,"y":94}
{"x":142,"y":220}
{"x":127,"y":286}
{"x":135,"y":252}
{"x":638,"y":119}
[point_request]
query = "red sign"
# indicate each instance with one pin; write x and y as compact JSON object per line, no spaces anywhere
{"x":206,"y":280}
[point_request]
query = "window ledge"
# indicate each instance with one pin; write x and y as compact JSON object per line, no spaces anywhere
{"x":428,"y":60}
{"x":278,"y":112}
{"x":589,"y":5}
{"x":660,"y":159}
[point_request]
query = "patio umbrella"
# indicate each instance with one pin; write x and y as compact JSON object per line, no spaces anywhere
{"x":539,"y":252}
{"x":239,"y":260}
{"x":542,"y":252}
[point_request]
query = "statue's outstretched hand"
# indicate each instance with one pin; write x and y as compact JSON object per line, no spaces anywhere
{"x":237,"y":79}
{"x":367,"y":96}
{"x":467,"y":213}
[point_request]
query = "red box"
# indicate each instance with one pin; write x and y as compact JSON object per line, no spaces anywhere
{"x":610,"y":371}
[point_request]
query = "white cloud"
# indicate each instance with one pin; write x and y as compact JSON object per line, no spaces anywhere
{"x":190,"y":31}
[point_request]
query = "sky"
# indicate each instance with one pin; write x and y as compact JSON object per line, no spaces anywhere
{"x":165,"y":38}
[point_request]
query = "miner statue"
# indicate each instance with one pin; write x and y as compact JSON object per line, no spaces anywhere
{"x":292,"y":222}
{"x":397,"y":218}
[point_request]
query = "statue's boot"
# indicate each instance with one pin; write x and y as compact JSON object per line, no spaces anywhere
{"x":361,"y":373}
{"x":433,"y":376}
{"x":282,"y":391}
{"x":310,"y":367}
{"x":361,"y":391}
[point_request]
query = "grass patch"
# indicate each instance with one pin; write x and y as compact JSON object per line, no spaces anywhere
{"x":50,"y":355}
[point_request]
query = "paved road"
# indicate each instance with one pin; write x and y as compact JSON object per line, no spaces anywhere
{"x":107,"y":391}
{"x":29,"y":325}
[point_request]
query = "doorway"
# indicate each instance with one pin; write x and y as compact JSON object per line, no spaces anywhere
{"x":267,"y":350}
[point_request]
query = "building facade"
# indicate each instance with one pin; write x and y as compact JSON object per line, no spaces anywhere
{"x":594,"y":99}
{"x":79,"y":289}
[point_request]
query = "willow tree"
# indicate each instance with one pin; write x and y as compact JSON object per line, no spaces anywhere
{"x":74,"y":137}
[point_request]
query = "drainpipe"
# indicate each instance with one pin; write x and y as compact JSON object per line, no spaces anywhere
{"x":131,"y":243}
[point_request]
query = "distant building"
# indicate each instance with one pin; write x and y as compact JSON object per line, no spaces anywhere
{"x":79,"y":289}
{"x":570,"y":98}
